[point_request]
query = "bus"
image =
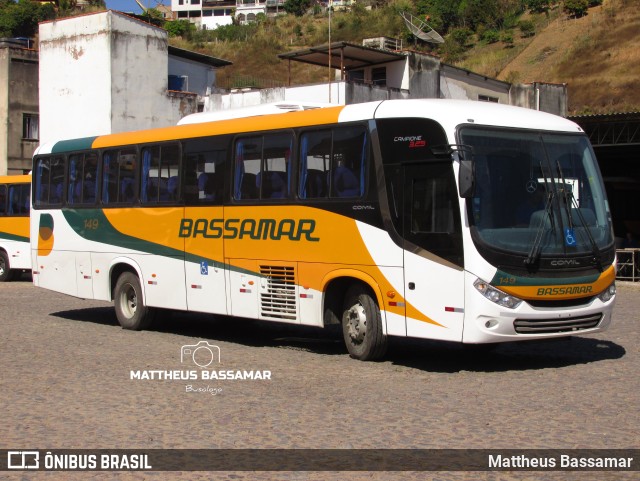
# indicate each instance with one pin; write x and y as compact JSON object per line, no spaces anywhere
{"x":448,"y":220}
{"x":15,"y":251}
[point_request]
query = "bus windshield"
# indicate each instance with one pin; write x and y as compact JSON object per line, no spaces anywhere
{"x":536,"y":194}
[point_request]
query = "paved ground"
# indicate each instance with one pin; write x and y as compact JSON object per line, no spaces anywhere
{"x":66,"y":383}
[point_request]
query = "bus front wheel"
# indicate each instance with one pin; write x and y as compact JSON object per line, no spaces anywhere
{"x":5,"y":267}
{"x":129,"y":304}
{"x":362,"y":325}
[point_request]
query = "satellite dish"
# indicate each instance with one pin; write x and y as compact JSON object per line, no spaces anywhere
{"x":421,"y":29}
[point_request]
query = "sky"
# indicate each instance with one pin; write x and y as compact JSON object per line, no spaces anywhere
{"x":132,"y":6}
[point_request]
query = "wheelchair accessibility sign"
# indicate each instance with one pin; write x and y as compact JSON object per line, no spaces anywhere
{"x":569,"y":237}
{"x":204,"y":268}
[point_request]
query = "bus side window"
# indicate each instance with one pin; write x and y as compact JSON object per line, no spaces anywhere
{"x":49,"y":181}
{"x":315,"y":152}
{"x":276,"y":166}
{"x":18,"y":199}
{"x":348,"y":169}
{"x":160,"y":173}
{"x":118,"y":176}
{"x":248,"y":155}
{"x":3,"y":199}
{"x":204,"y":172}
{"x":56,"y":191}
{"x":83,"y":178}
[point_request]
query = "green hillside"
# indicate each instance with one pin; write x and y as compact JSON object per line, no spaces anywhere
{"x":596,"y":54}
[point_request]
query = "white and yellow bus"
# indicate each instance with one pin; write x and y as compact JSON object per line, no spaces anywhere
{"x":449,"y":220}
{"x":15,"y":252}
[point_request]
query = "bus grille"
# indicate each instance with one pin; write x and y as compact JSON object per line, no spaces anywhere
{"x":548,"y":326}
{"x":278,"y":300}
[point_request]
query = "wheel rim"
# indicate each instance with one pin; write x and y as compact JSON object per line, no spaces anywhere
{"x":128,"y":301}
{"x":3,"y":267}
{"x":357,"y":323}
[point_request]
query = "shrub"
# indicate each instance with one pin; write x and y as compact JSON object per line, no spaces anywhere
{"x":576,"y":8}
{"x":490,"y":36}
{"x":527,"y":28}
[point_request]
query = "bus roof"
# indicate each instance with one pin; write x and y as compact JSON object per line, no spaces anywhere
{"x":449,"y":113}
{"x":252,"y":111}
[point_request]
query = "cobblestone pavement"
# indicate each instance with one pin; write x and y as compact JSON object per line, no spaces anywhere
{"x":66,"y":383}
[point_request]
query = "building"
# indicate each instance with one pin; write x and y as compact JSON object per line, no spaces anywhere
{"x":210,"y":14}
{"x":364,"y":74}
{"x":108,"y":72}
{"x":19,"y":134}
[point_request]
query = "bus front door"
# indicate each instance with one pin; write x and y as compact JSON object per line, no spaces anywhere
{"x":434,"y":277}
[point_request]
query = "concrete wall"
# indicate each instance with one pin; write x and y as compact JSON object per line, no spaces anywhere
{"x":104,"y":73}
{"x":139,"y":75}
{"x":357,"y":93}
{"x":200,"y":80}
{"x":5,"y":56}
{"x":551,"y":98}
{"x":456,"y":83}
{"x":19,"y":96}
{"x":426,"y":77}
{"x":73,"y":103}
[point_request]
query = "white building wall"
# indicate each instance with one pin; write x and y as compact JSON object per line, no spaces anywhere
{"x":317,"y":93}
{"x":104,"y":73}
{"x":213,"y":22}
{"x":139,"y":75}
{"x":73,"y":104}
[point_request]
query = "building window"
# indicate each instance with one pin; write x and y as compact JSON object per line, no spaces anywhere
{"x":30,"y":127}
{"x":486,"y":98}
{"x":356,"y":76}
{"x":379,"y":76}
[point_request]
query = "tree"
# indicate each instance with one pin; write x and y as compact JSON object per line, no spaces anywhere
{"x":527,"y":27}
{"x":297,"y":7}
{"x":179,"y":28}
{"x":576,"y":8}
{"x":539,"y":6}
{"x":21,"y":19}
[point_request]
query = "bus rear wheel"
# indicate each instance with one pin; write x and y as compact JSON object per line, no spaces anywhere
{"x":129,"y":304}
{"x":362,"y":325}
{"x":6,"y":274}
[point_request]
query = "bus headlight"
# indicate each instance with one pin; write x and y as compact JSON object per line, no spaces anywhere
{"x":608,"y":293}
{"x":494,"y":295}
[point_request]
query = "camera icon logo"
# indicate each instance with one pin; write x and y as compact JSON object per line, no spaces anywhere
{"x":201,"y":354}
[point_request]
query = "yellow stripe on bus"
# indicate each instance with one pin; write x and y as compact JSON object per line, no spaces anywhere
{"x":563,"y":291}
{"x":16,"y":226}
{"x":329,"y":243}
{"x":305,"y":118}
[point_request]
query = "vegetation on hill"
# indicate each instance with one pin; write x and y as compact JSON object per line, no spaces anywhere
{"x":592,"y":45}
{"x":588,"y":44}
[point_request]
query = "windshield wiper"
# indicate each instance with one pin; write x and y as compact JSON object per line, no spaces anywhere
{"x":570,"y":201}
{"x":534,"y":253}
{"x":536,"y":247}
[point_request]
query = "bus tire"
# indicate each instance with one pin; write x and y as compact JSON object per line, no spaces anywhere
{"x":6,"y":274}
{"x":129,"y":304}
{"x":362,"y":325}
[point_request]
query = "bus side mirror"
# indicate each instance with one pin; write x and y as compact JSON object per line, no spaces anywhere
{"x":466,"y":179}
